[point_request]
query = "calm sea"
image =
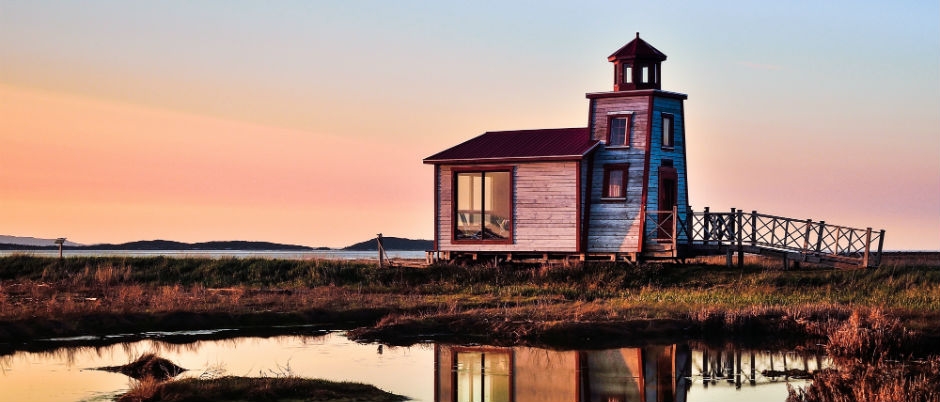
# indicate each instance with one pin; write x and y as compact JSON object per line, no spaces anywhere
{"x":288,"y":255}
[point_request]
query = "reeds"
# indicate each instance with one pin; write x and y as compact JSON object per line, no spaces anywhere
{"x":708,"y":300}
{"x":873,"y":362}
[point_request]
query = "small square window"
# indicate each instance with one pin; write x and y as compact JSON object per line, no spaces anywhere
{"x":618,"y":131}
{"x":615,"y":181}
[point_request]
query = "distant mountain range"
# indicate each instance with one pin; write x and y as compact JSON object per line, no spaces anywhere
{"x":32,"y":243}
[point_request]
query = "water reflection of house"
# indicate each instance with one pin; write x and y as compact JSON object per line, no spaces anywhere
{"x":491,"y":374}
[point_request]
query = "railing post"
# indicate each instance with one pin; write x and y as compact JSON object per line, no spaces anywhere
{"x":809,"y":224}
{"x":835,"y":245}
{"x":773,"y":232}
{"x":706,"y":230}
{"x":689,"y":221}
{"x":753,"y":228}
{"x":881,"y":242}
{"x":819,"y":237}
{"x":731,"y":229}
{"x":642,"y":228}
{"x":867,"y":247}
{"x":675,"y":231}
{"x":740,"y":240}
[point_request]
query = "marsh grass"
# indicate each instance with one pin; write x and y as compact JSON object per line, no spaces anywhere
{"x":873,"y":361}
{"x":526,"y":300}
{"x":154,"y":383}
{"x":256,"y":389}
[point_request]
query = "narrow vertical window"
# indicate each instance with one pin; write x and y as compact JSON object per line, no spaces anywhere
{"x":627,"y":74}
{"x":646,"y":74}
{"x":619,"y":131}
{"x":668,"y":131}
{"x":615,"y":181}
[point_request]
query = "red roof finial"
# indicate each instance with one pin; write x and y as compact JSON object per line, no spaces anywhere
{"x":638,"y":35}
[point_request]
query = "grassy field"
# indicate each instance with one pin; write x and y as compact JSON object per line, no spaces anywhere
{"x":536,"y":304}
{"x":880,"y":325}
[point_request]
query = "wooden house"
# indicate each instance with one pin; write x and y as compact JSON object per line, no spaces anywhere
{"x":612,"y":189}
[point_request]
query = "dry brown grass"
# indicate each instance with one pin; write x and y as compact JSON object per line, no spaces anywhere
{"x":142,"y":390}
{"x":873,"y":362}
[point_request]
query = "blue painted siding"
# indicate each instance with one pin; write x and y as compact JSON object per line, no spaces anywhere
{"x":676,"y":154}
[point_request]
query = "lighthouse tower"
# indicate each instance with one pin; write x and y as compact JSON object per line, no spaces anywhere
{"x":641,"y":166}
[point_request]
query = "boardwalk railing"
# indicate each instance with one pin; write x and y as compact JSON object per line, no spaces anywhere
{"x":662,"y":228}
{"x":754,"y":232}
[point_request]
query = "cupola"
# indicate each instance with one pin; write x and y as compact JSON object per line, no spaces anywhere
{"x":637,"y":65}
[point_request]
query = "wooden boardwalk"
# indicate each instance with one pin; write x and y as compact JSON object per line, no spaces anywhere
{"x":710,"y":233}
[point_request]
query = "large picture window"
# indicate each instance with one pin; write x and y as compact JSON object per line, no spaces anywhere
{"x":483,"y":206}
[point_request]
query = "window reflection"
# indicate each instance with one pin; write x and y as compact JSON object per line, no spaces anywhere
{"x":483,"y":377}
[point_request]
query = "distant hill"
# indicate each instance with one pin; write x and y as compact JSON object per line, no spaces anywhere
{"x":32,"y":241}
{"x":150,"y":245}
{"x":392,"y":243}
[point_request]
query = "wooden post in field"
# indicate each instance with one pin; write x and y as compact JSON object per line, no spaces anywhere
{"x":381,"y":247}
{"x":60,"y":241}
{"x":867,"y":248}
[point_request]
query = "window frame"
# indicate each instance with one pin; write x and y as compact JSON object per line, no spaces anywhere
{"x":608,"y":168}
{"x":484,"y":351}
{"x":628,"y":129}
{"x":668,"y":139}
{"x":455,"y":172}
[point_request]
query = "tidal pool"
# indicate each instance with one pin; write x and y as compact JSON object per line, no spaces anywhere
{"x":424,"y":372}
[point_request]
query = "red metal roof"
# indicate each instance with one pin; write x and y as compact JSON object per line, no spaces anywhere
{"x":521,"y":145}
{"x":637,"y":48}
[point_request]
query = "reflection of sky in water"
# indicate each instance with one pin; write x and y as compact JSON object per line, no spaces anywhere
{"x":63,"y":375}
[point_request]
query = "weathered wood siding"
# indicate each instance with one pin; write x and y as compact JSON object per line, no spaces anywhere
{"x":676,"y":154}
{"x":545,"y":210}
{"x":614,"y":225}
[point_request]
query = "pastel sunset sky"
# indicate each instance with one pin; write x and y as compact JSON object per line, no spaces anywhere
{"x":305,"y":122}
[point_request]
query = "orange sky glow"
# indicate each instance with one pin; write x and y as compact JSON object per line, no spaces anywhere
{"x":306,"y":123}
